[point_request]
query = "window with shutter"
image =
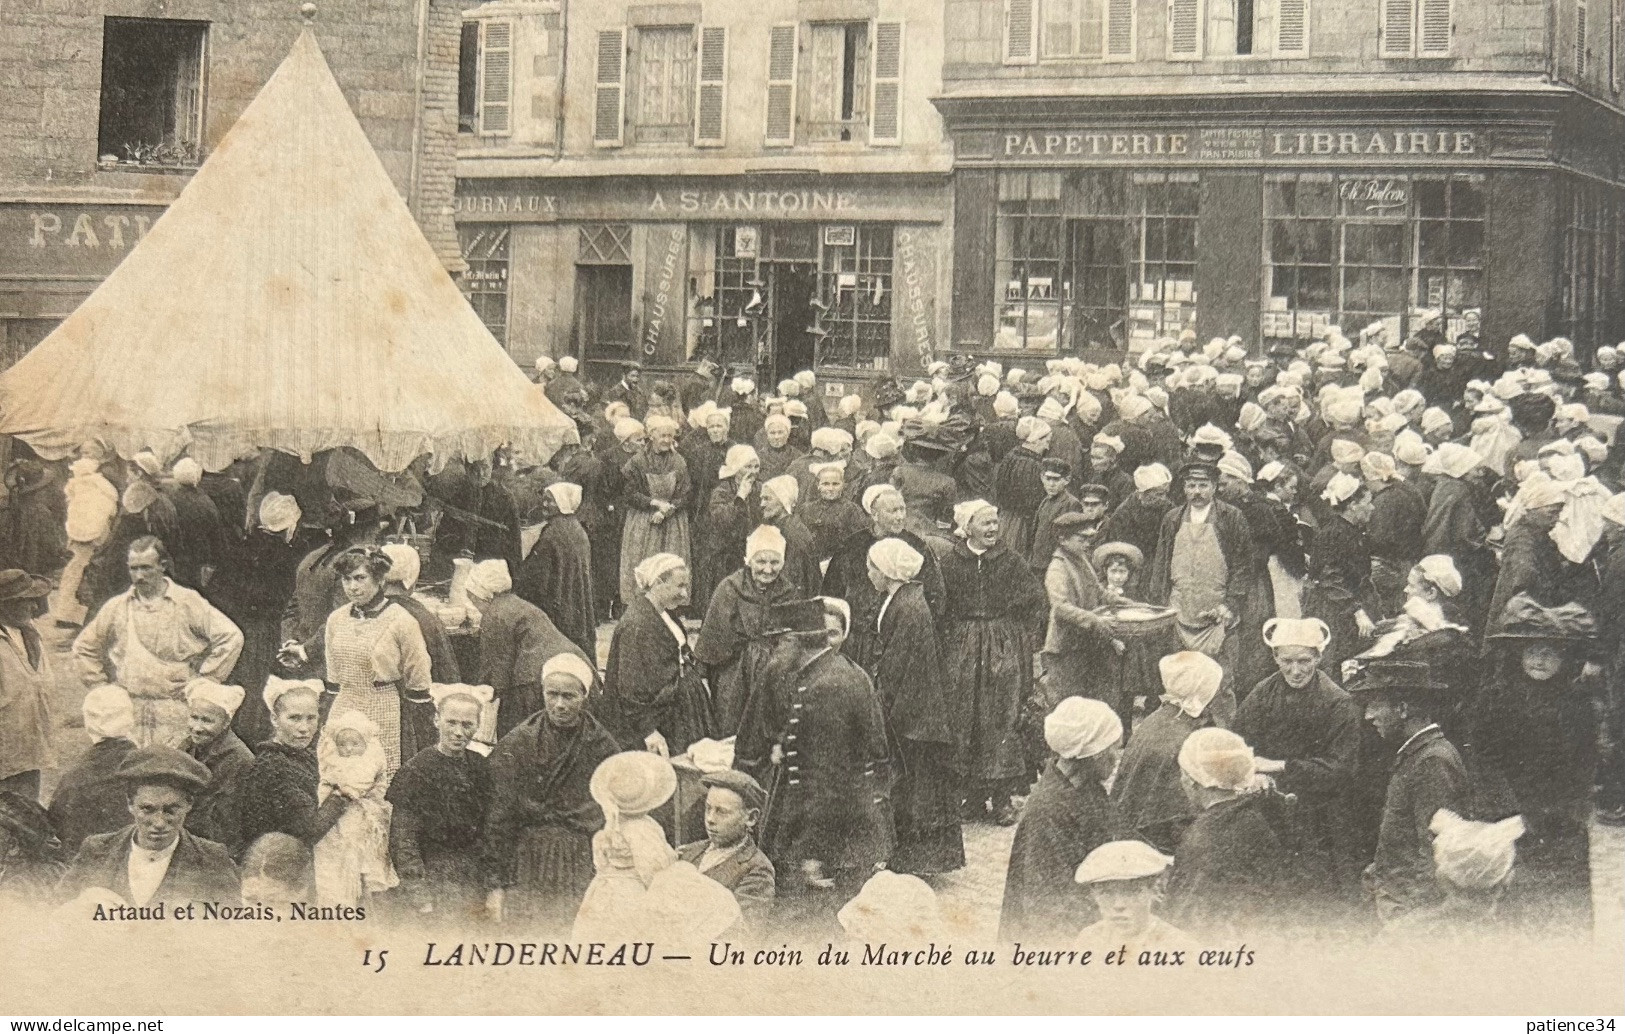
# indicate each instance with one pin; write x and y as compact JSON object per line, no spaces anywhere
{"x":661,"y":85}
{"x":1433,"y":29}
{"x":1580,"y":39}
{"x":1616,"y":41}
{"x":496,"y":78}
{"x":609,"y":99}
{"x":1398,"y":28}
{"x":1120,"y":37}
{"x":886,"y":107}
{"x":1020,"y":32}
{"x":712,"y":104}
{"x":1185,"y":19}
{"x":781,"y":86}
{"x":1292,"y":28}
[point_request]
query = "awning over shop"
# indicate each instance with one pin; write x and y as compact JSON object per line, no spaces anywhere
{"x":288,"y":300}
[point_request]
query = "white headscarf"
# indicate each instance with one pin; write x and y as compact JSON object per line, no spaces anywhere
{"x":489,"y":579}
{"x":1191,"y":680}
{"x":765,"y":539}
{"x":654,"y":568}
{"x":786,"y":489}
{"x":1474,"y":855}
{"x":404,"y":564}
{"x":1081,"y":727}
{"x":187,"y":471}
{"x":965,"y":512}
{"x":208,"y":691}
{"x":109,"y":713}
{"x":896,"y":559}
{"x":279,"y":514}
{"x":566,"y":496}
{"x":567,"y":663}
{"x":1218,"y":759}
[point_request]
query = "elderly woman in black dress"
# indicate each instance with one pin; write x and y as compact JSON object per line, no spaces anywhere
{"x":654,"y":695}
{"x":441,"y":796}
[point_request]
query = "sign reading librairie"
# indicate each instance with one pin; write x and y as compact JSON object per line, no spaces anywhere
{"x":1262,"y":144}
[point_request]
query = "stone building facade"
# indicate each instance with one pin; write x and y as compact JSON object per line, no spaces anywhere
{"x":106,"y":106}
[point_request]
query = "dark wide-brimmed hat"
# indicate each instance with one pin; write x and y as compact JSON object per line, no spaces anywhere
{"x":20,"y":585}
{"x":1526,"y":619}
{"x":1409,"y":679}
{"x":1199,"y":465}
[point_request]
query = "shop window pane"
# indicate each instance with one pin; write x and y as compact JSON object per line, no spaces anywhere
{"x":1388,"y":244}
{"x":1356,"y":288}
{"x":1432,"y":242}
{"x":1316,"y":197}
{"x":1280,"y":197}
{"x":1316,"y":289}
{"x":1156,"y":240}
{"x":1466,"y":244}
{"x":1388,"y":290}
{"x":1283,"y":243}
{"x":1430,"y":197}
{"x":1467,"y":197}
{"x":1357,"y":243}
{"x":1182,"y":239}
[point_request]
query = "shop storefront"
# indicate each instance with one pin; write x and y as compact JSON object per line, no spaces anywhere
{"x":52,"y":255}
{"x":1077,"y":237}
{"x":782,"y":273}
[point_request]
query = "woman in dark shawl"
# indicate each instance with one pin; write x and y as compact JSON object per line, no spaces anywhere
{"x":654,"y":695}
{"x":899,"y":651}
{"x":1536,"y":735}
{"x":277,"y":794}
{"x":731,"y":511}
{"x":990,"y":621}
{"x":730,"y":642}
{"x":1147,"y":791}
{"x":779,"y":497}
{"x":538,"y":831}
{"x":1340,"y":571}
{"x":1018,"y":487}
{"x":557,"y":575}
{"x":440,"y":798}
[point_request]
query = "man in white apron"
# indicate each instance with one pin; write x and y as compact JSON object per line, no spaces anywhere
{"x":152,"y":640}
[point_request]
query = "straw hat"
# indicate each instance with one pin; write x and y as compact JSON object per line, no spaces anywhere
{"x":634,"y":782}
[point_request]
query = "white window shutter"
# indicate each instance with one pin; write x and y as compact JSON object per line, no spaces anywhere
{"x":711,"y":99}
{"x":1398,"y":28}
{"x":1580,"y":39}
{"x":496,"y":78}
{"x":1021,"y":32}
{"x":1292,"y":28}
{"x":1121,"y":37}
{"x":781,"y":86}
{"x":886,"y":86}
{"x":1434,"y":29}
{"x":609,"y":99}
{"x":1185,"y":19}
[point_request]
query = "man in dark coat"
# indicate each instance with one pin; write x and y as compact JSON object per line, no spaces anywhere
{"x":1226,"y":877}
{"x":630,"y":391}
{"x":1306,"y":732}
{"x":1428,"y":775}
{"x":155,"y":859}
{"x":557,"y":575}
{"x":1067,"y":816}
{"x":817,"y":734}
{"x":1056,"y":475}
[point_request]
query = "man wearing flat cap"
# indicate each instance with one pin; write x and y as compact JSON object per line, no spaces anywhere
{"x":1203,"y":564}
{"x":815,"y":734}
{"x":1428,"y":774}
{"x":734,"y":803}
{"x":155,"y":859}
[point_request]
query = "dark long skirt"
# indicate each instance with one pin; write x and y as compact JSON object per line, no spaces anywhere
{"x":252,"y":722}
{"x":990,"y":666}
{"x":554,"y":868}
{"x":925,"y":811}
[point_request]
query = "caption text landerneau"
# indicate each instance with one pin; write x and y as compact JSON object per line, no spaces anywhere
{"x":641,"y":953}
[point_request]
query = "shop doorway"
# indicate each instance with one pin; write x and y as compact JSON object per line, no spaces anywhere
{"x":792,"y":286}
{"x":603,"y":334}
{"x":1101,"y":253}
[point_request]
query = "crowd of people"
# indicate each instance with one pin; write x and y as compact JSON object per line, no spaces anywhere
{"x":1324,"y":639}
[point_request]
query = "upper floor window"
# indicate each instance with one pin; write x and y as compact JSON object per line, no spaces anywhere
{"x":468,"y":79}
{"x":835,"y":82}
{"x":152,"y":91}
{"x":1416,"y":28}
{"x":1200,"y":29}
{"x":485,"y":78}
{"x":663,"y":84}
{"x":1088,"y":30}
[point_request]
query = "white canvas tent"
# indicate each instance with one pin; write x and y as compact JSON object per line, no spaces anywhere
{"x":287,"y":299}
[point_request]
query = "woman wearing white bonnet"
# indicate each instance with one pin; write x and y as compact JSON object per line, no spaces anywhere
{"x":211,"y":741}
{"x":732,"y":509}
{"x":898,"y":647}
{"x":1067,"y":816}
{"x":731,"y":643}
{"x":654,"y":692}
{"x":1148,"y":793}
{"x":557,"y":574}
{"x":1474,"y":863}
{"x":88,"y":799}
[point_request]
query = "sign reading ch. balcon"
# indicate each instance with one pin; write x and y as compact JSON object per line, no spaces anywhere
{"x":1257,"y":144}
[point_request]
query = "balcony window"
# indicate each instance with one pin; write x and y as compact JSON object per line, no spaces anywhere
{"x":152,"y":92}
